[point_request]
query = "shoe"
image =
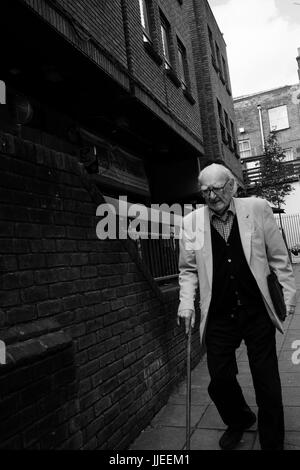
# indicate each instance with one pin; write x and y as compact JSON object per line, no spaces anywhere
{"x":232,"y":436}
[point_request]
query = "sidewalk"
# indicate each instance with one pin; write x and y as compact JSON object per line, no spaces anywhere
{"x":167,"y":429}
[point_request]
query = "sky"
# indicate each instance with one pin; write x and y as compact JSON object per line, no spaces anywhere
{"x":262,"y":37}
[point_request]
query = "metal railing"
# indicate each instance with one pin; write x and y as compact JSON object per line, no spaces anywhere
{"x":253,"y":175}
{"x":291,"y":227}
{"x":160,"y":256}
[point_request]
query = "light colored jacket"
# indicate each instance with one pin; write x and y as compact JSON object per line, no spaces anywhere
{"x":263,"y":246}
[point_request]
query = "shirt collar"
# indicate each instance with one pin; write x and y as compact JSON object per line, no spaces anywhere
{"x":231,"y":209}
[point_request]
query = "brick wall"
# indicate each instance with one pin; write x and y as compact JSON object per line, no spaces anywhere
{"x":103,"y":27}
{"x":209,"y":84}
{"x":93,"y":348}
{"x":248,"y":117}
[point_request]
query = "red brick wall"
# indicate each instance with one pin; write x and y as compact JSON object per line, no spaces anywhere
{"x":120,"y":352}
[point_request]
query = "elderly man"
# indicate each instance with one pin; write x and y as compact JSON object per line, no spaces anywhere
{"x":229,"y":246}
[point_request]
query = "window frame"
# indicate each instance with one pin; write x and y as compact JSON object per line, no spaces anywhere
{"x":219,"y":62}
{"x":227,"y":125}
{"x":145,"y":18}
{"x":272,"y":119}
{"x":183,"y":65}
{"x":224,"y":65}
{"x":212,"y":48}
{"x":242,"y":151}
{"x":165,"y":33}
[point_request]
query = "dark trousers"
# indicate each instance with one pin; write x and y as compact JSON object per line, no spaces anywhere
{"x":223,"y":336}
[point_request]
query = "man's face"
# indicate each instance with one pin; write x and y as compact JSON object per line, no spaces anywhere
{"x":216,"y":188}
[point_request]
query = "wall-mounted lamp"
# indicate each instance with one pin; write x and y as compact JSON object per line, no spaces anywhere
{"x":23,"y":110}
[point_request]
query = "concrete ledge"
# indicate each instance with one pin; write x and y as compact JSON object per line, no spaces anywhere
{"x":27,"y":343}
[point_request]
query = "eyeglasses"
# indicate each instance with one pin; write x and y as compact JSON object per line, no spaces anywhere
{"x":216,"y":189}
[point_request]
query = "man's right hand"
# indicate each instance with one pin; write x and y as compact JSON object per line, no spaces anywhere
{"x":189,"y":317}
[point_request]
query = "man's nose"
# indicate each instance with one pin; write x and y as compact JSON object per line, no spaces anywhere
{"x":212,"y":195}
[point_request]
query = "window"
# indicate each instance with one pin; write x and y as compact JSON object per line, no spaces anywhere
{"x":220,"y":111}
{"x":166,"y":40}
{"x":212,"y":47}
{"x":229,"y":138}
{"x":278,"y":118}
{"x":225,"y":69}
{"x":221,"y":118}
{"x":233,"y":136}
{"x":219,"y":59}
{"x":289,"y":155}
{"x":145,"y":19}
{"x":183,"y":65}
{"x":232,"y":129}
{"x":245,"y":148}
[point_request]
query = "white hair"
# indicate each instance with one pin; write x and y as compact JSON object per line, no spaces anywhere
{"x":225,"y":171}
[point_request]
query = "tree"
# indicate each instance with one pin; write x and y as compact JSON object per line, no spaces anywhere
{"x":273,"y":184}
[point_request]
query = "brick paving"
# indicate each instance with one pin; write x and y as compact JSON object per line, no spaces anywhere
{"x":167,"y":429}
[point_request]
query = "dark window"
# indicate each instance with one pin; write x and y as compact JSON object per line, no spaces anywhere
{"x":183,"y":65}
{"x":219,"y":64}
{"x":232,"y":130}
{"x":221,"y":119}
{"x":228,"y":129}
{"x":145,"y":19}
{"x":225,"y":69}
{"x":212,"y":46}
{"x":166,"y":40}
{"x":220,"y":111}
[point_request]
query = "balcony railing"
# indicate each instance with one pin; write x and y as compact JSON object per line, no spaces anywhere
{"x":291,"y":227}
{"x":254,"y":175}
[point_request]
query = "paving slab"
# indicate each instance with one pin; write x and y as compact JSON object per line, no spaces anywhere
{"x":212,"y":420}
{"x":175,"y":415}
{"x":291,"y":396}
{"x":208,"y":439}
{"x":291,"y":379}
{"x":199,"y":396}
{"x":292,"y":440}
{"x":292,"y":418}
{"x":164,"y":438}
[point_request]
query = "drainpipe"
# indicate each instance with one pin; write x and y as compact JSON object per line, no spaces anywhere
{"x":261,"y":127}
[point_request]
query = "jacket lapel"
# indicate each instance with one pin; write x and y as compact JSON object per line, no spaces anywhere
{"x":245,"y":226}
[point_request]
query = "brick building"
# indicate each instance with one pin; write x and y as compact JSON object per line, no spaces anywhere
{"x":103,"y":98}
{"x":214,"y":88}
{"x":260,"y":113}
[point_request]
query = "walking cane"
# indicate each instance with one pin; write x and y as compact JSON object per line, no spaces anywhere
{"x":188,"y":388}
